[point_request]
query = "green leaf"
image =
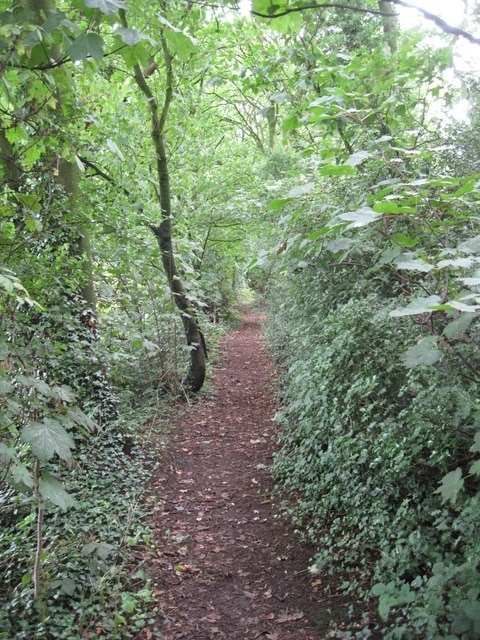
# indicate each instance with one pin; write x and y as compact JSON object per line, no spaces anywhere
{"x":81,"y":418}
{"x":108,"y":7}
{"x":336,"y":170}
{"x":472,"y":245}
{"x":467,"y":188}
{"x":277,"y":204}
{"x":180,"y":43}
{"x":53,"y":490}
{"x":417,"y":305}
{"x":357,"y":158}
{"x":47,"y":438}
{"x":403,"y":240}
{"x":425,"y":352}
{"x":129,"y":36}
{"x":476,"y":444}
{"x":472,"y":610}
{"x":378,"y":589}
{"x":458,"y":327}
{"x":360,"y":218}
{"x":68,"y":586}
{"x":469,"y":282}
{"x":457,"y":263}
{"x":290,"y":123}
{"x":475,"y":468}
{"x":384,"y":605}
{"x":89,"y":45}
{"x":408,"y":262}
{"x":129,"y":604}
{"x":280,"y":97}
{"x":22,"y":476}
{"x":301,"y":190}
{"x":452,"y":484}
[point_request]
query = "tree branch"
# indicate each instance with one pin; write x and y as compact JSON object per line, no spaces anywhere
{"x":444,"y":26}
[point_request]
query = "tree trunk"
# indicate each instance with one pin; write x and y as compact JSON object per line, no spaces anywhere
{"x":163,"y":232}
{"x":390,"y":24}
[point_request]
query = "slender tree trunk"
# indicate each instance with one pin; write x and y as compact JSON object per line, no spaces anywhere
{"x":390,"y":24}
{"x":163,"y":231}
{"x":69,"y":177}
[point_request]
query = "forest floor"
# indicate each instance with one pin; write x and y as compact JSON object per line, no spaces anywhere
{"x":223,"y":564}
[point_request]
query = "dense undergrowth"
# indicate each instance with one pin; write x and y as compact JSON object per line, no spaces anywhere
{"x":365,"y":446}
{"x":77,"y":449}
{"x":89,"y":585}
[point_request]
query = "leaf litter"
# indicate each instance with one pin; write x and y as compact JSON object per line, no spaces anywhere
{"x":224,"y":564}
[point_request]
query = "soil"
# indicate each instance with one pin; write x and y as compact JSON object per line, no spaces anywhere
{"x":224,"y":564}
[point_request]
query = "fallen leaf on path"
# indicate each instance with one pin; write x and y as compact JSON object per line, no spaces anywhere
{"x":293,"y":617}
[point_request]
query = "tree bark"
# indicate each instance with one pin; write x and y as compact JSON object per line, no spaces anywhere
{"x":390,"y":24}
{"x":163,"y":232}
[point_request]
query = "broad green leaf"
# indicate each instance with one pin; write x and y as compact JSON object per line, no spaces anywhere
{"x":280,"y":97}
{"x":336,"y":170}
{"x":357,"y":158}
{"x":47,"y":438}
{"x":277,"y":204}
{"x":301,"y":190}
{"x":129,"y":36}
{"x":460,"y":306}
{"x":472,"y":610}
{"x":467,"y":188}
{"x":269,"y":7}
{"x":64,"y":393}
{"x":137,"y":54}
{"x":180,"y":43}
{"x":425,"y":352}
{"x":384,"y":605}
{"x":108,"y":7}
{"x":402,"y":239}
{"x":476,"y":443}
{"x":316,"y":235}
{"x":409,"y":262}
{"x":340,"y":244}
{"x":469,"y":282}
{"x":459,"y":326}
{"x":291,"y":23}
{"x":457,"y":263}
{"x":417,"y":305}
{"x":475,"y":468}
{"x":53,"y":490}
{"x":378,"y":589}
{"x":360,"y":218}
{"x":81,"y":418}
{"x":472,"y":245}
{"x":21,"y":475}
{"x":68,"y":586}
{"x":6,"y":453}
{"x":114,"y":148}
{"x":452,"y":484}
{"x":89,"y":45}
{"x":290,"y":123}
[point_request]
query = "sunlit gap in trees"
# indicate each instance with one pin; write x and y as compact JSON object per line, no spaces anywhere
{"x":465,"y":55}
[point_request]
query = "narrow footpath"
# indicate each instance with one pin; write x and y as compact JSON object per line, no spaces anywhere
{"x":223,"y":566}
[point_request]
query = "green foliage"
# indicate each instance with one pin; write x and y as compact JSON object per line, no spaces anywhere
{"x":374,"y":324}
{"x":88,"y":588}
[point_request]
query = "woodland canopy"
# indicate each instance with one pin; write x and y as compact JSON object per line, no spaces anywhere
{"x":160,"y":161}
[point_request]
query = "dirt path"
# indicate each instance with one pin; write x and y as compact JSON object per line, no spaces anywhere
{"x":225,"y":567}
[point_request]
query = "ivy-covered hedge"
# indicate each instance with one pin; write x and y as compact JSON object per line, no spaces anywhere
{"x":372,"y":453}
